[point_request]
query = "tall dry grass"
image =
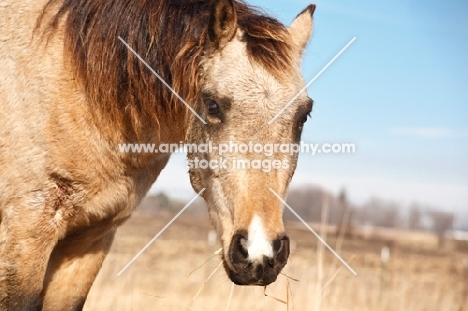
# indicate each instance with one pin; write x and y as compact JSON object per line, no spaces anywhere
{"x":417,"y":279}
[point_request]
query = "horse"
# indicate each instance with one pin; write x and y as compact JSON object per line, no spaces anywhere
{"x":71,"y":92}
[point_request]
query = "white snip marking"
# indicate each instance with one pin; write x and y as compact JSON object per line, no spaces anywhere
{"x":258,"y":244}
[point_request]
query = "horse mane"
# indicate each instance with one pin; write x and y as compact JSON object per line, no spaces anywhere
{"x":171,"y":35}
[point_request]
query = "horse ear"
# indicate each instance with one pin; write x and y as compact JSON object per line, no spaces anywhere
{"x":301,"y":27}
{"x":223,"y":23}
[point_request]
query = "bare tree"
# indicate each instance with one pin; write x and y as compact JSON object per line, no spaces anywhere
{"x":307,"y":202}
{"x":415,"y":217}
{"x":344,"y":215}
{"x":441,"y":223}
{"x":380,"y":213}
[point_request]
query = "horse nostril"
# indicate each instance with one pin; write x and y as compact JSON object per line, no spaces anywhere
{"x":270,"y":262}
{"x":243,"y":247}
{"x":281,"y":251}
{"x":237,"y":251}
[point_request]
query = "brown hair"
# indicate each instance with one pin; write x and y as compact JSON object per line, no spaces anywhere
{"x":170,"y":35}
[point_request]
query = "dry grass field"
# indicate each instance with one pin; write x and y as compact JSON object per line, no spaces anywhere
{"x":415,"y":278}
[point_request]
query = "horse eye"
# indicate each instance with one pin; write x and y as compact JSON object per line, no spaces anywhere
{"x":213,"y":108}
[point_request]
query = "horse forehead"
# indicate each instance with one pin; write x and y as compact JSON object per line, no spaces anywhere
{"x":232,"y":73}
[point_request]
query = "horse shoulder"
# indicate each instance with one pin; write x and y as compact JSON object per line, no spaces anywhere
{"x":49,"y":140}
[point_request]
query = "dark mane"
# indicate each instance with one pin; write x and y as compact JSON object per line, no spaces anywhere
{"x":170,"y":35}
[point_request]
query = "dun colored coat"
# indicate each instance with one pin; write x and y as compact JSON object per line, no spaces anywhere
{"x":71,"y":92}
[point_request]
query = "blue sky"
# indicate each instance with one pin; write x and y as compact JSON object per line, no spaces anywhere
{"x":400,"y":93}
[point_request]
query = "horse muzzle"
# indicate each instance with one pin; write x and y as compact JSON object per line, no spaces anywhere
{"x":262,"y":271}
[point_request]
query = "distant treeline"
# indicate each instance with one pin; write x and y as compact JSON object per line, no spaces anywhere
{"x":308,"y":202}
